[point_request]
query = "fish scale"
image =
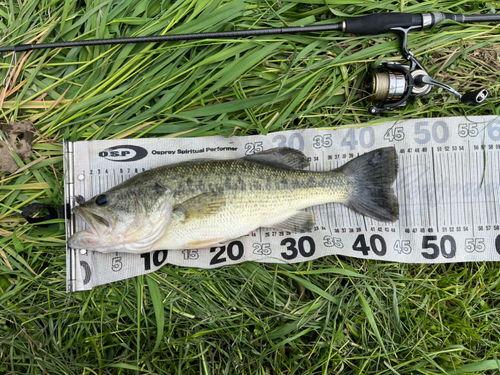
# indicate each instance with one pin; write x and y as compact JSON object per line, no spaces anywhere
{"x":244,"y":176}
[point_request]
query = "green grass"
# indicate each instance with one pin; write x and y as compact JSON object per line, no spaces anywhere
{"x":355,"y":317}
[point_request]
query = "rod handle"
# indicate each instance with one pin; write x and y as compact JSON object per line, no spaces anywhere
{"x":373,"y":24}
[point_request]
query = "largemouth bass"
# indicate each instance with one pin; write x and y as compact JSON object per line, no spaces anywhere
{"x":203,"y":203}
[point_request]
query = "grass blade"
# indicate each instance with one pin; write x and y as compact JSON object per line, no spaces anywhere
{"x":157,"y":300}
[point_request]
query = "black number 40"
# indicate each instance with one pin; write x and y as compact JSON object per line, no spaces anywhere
{"x":377,"y":245}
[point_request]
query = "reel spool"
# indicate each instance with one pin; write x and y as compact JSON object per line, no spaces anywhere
{"x":393,"y":84}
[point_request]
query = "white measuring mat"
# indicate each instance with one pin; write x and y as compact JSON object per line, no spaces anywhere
{"x":448,"y":188}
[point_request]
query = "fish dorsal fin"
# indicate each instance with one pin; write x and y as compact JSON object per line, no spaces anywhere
{"x":283,"y":157}
{"x":300,"y":221}
{"x":205,"y":204}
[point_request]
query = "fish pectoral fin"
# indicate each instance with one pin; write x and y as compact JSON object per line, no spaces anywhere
{"x":203,"y":244}
{"x":300,"y":221}
{"x":202,"y":205}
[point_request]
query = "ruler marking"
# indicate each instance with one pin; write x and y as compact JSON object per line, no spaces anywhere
{"x":324,"y":210}
{"x":332,"y":214}
{"x":442,"y":196}
{"x":467,"y":201}
{"x":495,"y":184}
{"x":471,"y":195}
{"x":397,"y":190}
{"x":473,"y":187}
{"x":451,"y":207}
{"x":440,"y":186}
{"x":481,"y":195}
{"x":478,"y":180}
{"x":331,"y":207}
{"x":413,"y":195}
{"x":491,"y":209}
{"x":410,"y":214}
{"x":418,"y":199}
{"x":361,"y":219}
{"x":484,"y":186}
{"x":435,"y":191}
{"x":421,"y":197}
{"x":487,"y":189}
{"x":444,"y":181}
{"x":403,"y":193}
{"x":458,"y":215}
{"x":453,"y":167}
{"x":337,"y":209}
{"x":460,"y":172}
{"x":99,"y":187}
{"x":491,"y":189}
{"x":427,"y":191}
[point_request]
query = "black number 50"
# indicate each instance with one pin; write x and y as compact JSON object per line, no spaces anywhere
{"x":427,"y":244}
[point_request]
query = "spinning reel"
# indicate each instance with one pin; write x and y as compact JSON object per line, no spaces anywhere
{"x":392,"y":83}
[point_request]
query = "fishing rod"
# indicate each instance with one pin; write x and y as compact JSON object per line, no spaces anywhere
{"x":391,"y":85}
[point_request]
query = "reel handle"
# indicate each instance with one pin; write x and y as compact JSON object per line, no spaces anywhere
{"x":474,"y":97}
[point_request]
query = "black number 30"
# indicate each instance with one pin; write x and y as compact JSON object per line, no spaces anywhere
{"x":291,"y":247}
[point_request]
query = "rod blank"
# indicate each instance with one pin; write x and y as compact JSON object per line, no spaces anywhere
{"x":364,"y":25}
{"x":175,"y":37}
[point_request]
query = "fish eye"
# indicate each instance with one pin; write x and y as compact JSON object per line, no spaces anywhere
{"x":101,"y":200}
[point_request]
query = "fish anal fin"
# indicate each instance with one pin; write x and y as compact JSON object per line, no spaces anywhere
{"x":300,"y":221}
{"x":203,"y":244}
{"x":202,"y":205}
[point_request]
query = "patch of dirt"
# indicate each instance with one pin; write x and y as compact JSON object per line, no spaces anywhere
{"x":487,"y":55}
{"x":19,"y":139}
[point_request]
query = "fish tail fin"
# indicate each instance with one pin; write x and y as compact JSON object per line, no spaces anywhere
{"x":373,"y":174}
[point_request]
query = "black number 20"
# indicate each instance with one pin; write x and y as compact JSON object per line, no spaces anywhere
{"x":231,"y":252}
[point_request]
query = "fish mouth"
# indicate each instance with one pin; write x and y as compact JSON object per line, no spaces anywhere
{"x":99,"y":225}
